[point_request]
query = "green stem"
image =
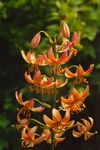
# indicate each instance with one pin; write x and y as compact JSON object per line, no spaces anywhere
{"x":55,"y":95}
{"x":52,"y":140}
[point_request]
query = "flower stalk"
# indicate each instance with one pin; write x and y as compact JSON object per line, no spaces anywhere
{"x":61,"y":107}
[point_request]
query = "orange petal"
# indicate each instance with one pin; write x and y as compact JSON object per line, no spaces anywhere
{"x":56,"y":115}
{"x":51,"y":55}
{"x":69,"y":74}
{"x":76,"y":134}
{"x":65,"y":58}
{"x":37,"y":109}
{"x":80,"y":71}
{"x":89,"y":70}
{"x":31,"y":132}
{"x":38,"y":140}
{"x":66,"y":116}
{"x":85,"y":94}
{"x":48,"y":121}
{"x":40,"y":60}
{"x":24,"y":56}
{"x":37,"y":77}
{"x":19,"y":97}
{"x":28,"y":78}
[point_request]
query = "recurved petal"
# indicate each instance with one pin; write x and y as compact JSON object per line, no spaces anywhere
{"x":39,"y":140}
{"x":31,"y":132}
{"x":24,"y":56}
{"x":51,"y":55}
{"x":60,"y":83}
{"x":68,"y":101}
{"x":40,"y":61}
{"x":66,"y":116}
{"x":65,"y":58}
{"x":28,"y":78}
{"x":69,"y":74}
{"x":70,"y":123}
{"x":24,"y":135}
{"x":80,"y":71}
{"x":37,"y":77}
{"x":37,"y":109}
{"x":48,"y":121}
{"x":56,"y":116}
{"x":85,"y":94}
{"x":77,"y":134}
{"x":19,"y":97}
{"x":89,"y":70}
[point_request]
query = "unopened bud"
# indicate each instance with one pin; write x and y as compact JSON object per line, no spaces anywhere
{"x":75,"y":39}
{"x":65,"y":30}
{"x":35,"y":40}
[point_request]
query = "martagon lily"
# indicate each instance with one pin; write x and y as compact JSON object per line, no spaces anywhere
{"x":57,"y":122}
{"x":79,"y":74}
{"x":28,"y":136}
{"x":84,"y":128}
{"x":75,"y":100}
{"x":28,"y":105}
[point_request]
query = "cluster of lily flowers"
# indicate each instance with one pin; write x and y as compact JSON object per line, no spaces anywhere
{"x":51,"y":129}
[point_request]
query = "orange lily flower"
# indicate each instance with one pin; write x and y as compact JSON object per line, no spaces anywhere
{"x":28,"y":105}
{"x":57,"y":122}
{"x":51,"y":60}
{"x":28,"y":137}
{"x":31,"y":59}
{"x":75,"y":100}
{"x":83,"y":129}
{"x":79,"y":73}
{"x":47,"y":134}
{"x":44,"y":82}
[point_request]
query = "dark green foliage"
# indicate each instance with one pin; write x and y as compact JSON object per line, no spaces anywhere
{"x":19,"y":21}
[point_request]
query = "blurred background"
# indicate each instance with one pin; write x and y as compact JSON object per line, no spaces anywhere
{"x":19,"y":21}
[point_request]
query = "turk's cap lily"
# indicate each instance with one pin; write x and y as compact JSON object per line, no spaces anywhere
{"x":35,"y":40}
{"x":84,"y":128}
{"x":51,"y":60}
{"x":58,"y":136}
{"x":79,"y":71}
{"x":29,"y":138}
{"x":75,"y":100}
{"x":57,"y":122}
{"x":28,"y":104}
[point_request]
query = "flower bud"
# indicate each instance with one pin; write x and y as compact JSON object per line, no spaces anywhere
{"x":35,"y":40}
{"x":65,"y":30}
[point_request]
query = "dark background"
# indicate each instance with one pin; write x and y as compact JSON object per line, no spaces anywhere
{"x":19,"y":21}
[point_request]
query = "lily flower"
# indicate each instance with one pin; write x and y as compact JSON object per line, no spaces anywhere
{"x":84,"y":128}
{"x":51,"y":60}
{"x":75,"y":100}
{"x":79,"y":74}
{"x":57,"y":122}
{"x":29,"y":138}
{"x":44,"y":82}
{"x":30,"y":58}
{"x":58,"y":136}
{"x":28,"y":105}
